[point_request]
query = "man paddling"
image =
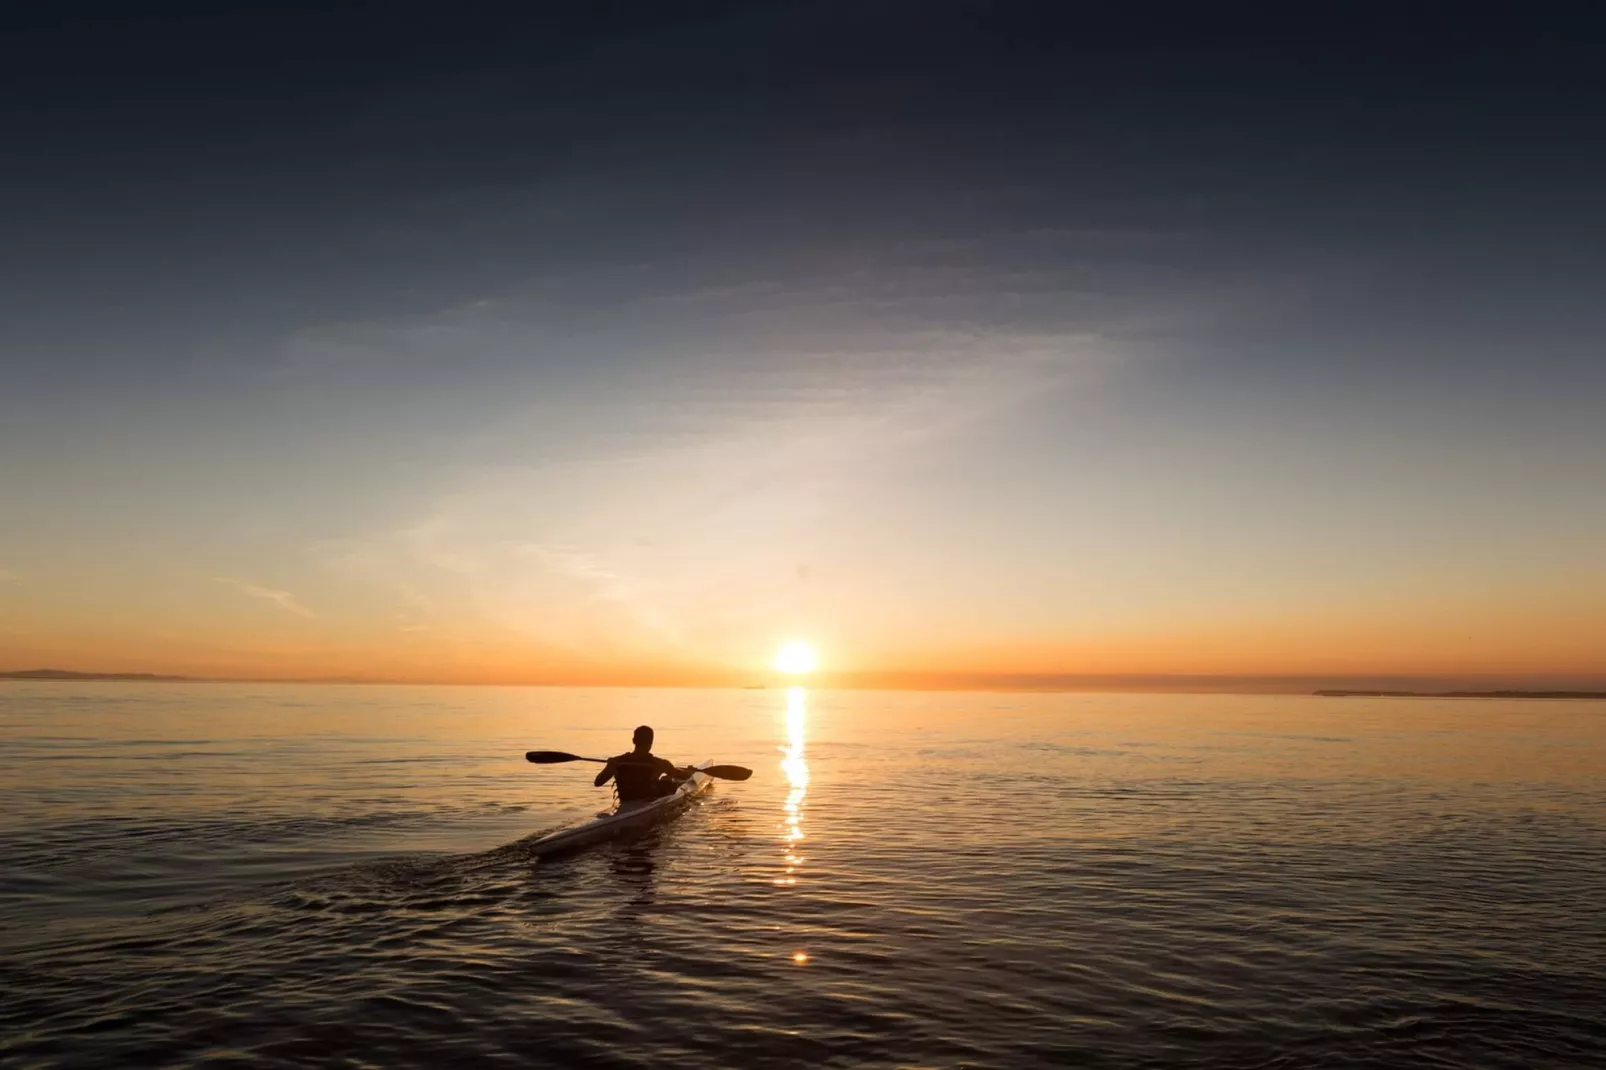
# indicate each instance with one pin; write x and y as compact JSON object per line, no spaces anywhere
{"x":640,"y":774}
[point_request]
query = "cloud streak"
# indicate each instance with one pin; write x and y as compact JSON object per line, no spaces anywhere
{"x":679,"y":518}
{"x":591,"y":572}
{"x":283,"y":599}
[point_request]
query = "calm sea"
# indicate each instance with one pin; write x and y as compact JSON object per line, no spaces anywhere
{"x":293,"y":876}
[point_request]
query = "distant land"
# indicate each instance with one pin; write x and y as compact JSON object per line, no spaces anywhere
{"x":1462,"y":694}
{"x":151,"y":677}
{"x":64,"y":674}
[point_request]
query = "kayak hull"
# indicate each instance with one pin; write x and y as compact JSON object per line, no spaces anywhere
{"x":628,"y":817}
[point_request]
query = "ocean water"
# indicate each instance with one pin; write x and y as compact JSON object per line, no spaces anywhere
{"x":242,"y":875}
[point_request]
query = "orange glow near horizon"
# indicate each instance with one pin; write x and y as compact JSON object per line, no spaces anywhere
{"x":1547,"y":639}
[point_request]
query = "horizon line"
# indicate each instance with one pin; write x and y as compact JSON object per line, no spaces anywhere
{"x":1156,"y":683}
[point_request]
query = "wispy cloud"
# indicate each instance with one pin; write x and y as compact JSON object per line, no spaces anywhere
{"x":747,"y":429}
{"x":590,"y":571}
{"x":10,"y":576}
{"x":283,"y":599}
{"x":679,"y":520}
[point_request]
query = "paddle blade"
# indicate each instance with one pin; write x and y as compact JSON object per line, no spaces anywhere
{"x":728,"y":772}
{"x":550,"y":757}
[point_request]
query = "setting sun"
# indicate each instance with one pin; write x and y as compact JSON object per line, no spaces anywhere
{"x":795,"y":657}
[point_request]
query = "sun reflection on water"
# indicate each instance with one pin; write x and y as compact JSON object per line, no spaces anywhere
{"x":797,"y":774}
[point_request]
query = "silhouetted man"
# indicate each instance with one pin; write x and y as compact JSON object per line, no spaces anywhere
{"x":640,"y":774}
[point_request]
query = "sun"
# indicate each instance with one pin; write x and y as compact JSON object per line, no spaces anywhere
{"x":795,"y":657}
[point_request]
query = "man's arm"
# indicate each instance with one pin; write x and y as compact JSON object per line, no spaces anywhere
{"x":604,"y":776}
{"x":669,"y":768}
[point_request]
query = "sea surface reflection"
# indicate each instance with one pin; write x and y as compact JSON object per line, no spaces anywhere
{"x":796,"y":768}
{"x":287,"y":876}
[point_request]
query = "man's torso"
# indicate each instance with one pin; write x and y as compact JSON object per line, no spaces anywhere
{"x":637,"y":775}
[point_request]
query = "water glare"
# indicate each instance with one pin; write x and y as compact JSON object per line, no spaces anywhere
{"x":796,"y":769}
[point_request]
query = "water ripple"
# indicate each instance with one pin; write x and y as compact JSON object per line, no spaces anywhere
{"x":1055,"y":898}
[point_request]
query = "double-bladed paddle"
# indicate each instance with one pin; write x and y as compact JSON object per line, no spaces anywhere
{"x":553,"y":757}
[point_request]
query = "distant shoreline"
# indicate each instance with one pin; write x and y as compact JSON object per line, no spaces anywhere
{"x":68,"y":677}
{"x":1333,"y":693}
{"x":63,"y":674}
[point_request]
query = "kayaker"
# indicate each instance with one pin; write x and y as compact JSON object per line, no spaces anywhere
{"x":640,"y":774}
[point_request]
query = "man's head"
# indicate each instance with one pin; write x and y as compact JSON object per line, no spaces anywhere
{"x":642,"y":738}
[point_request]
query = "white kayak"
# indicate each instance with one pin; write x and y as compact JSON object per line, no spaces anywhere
{"x":624,"y":818}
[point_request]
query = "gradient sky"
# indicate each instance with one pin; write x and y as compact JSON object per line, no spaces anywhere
{"x":509,"y":344}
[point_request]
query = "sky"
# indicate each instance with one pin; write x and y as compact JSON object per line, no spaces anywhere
{"x":613,"y":343}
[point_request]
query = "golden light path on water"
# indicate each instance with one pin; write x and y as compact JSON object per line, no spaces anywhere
{"x":796,"y":768}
